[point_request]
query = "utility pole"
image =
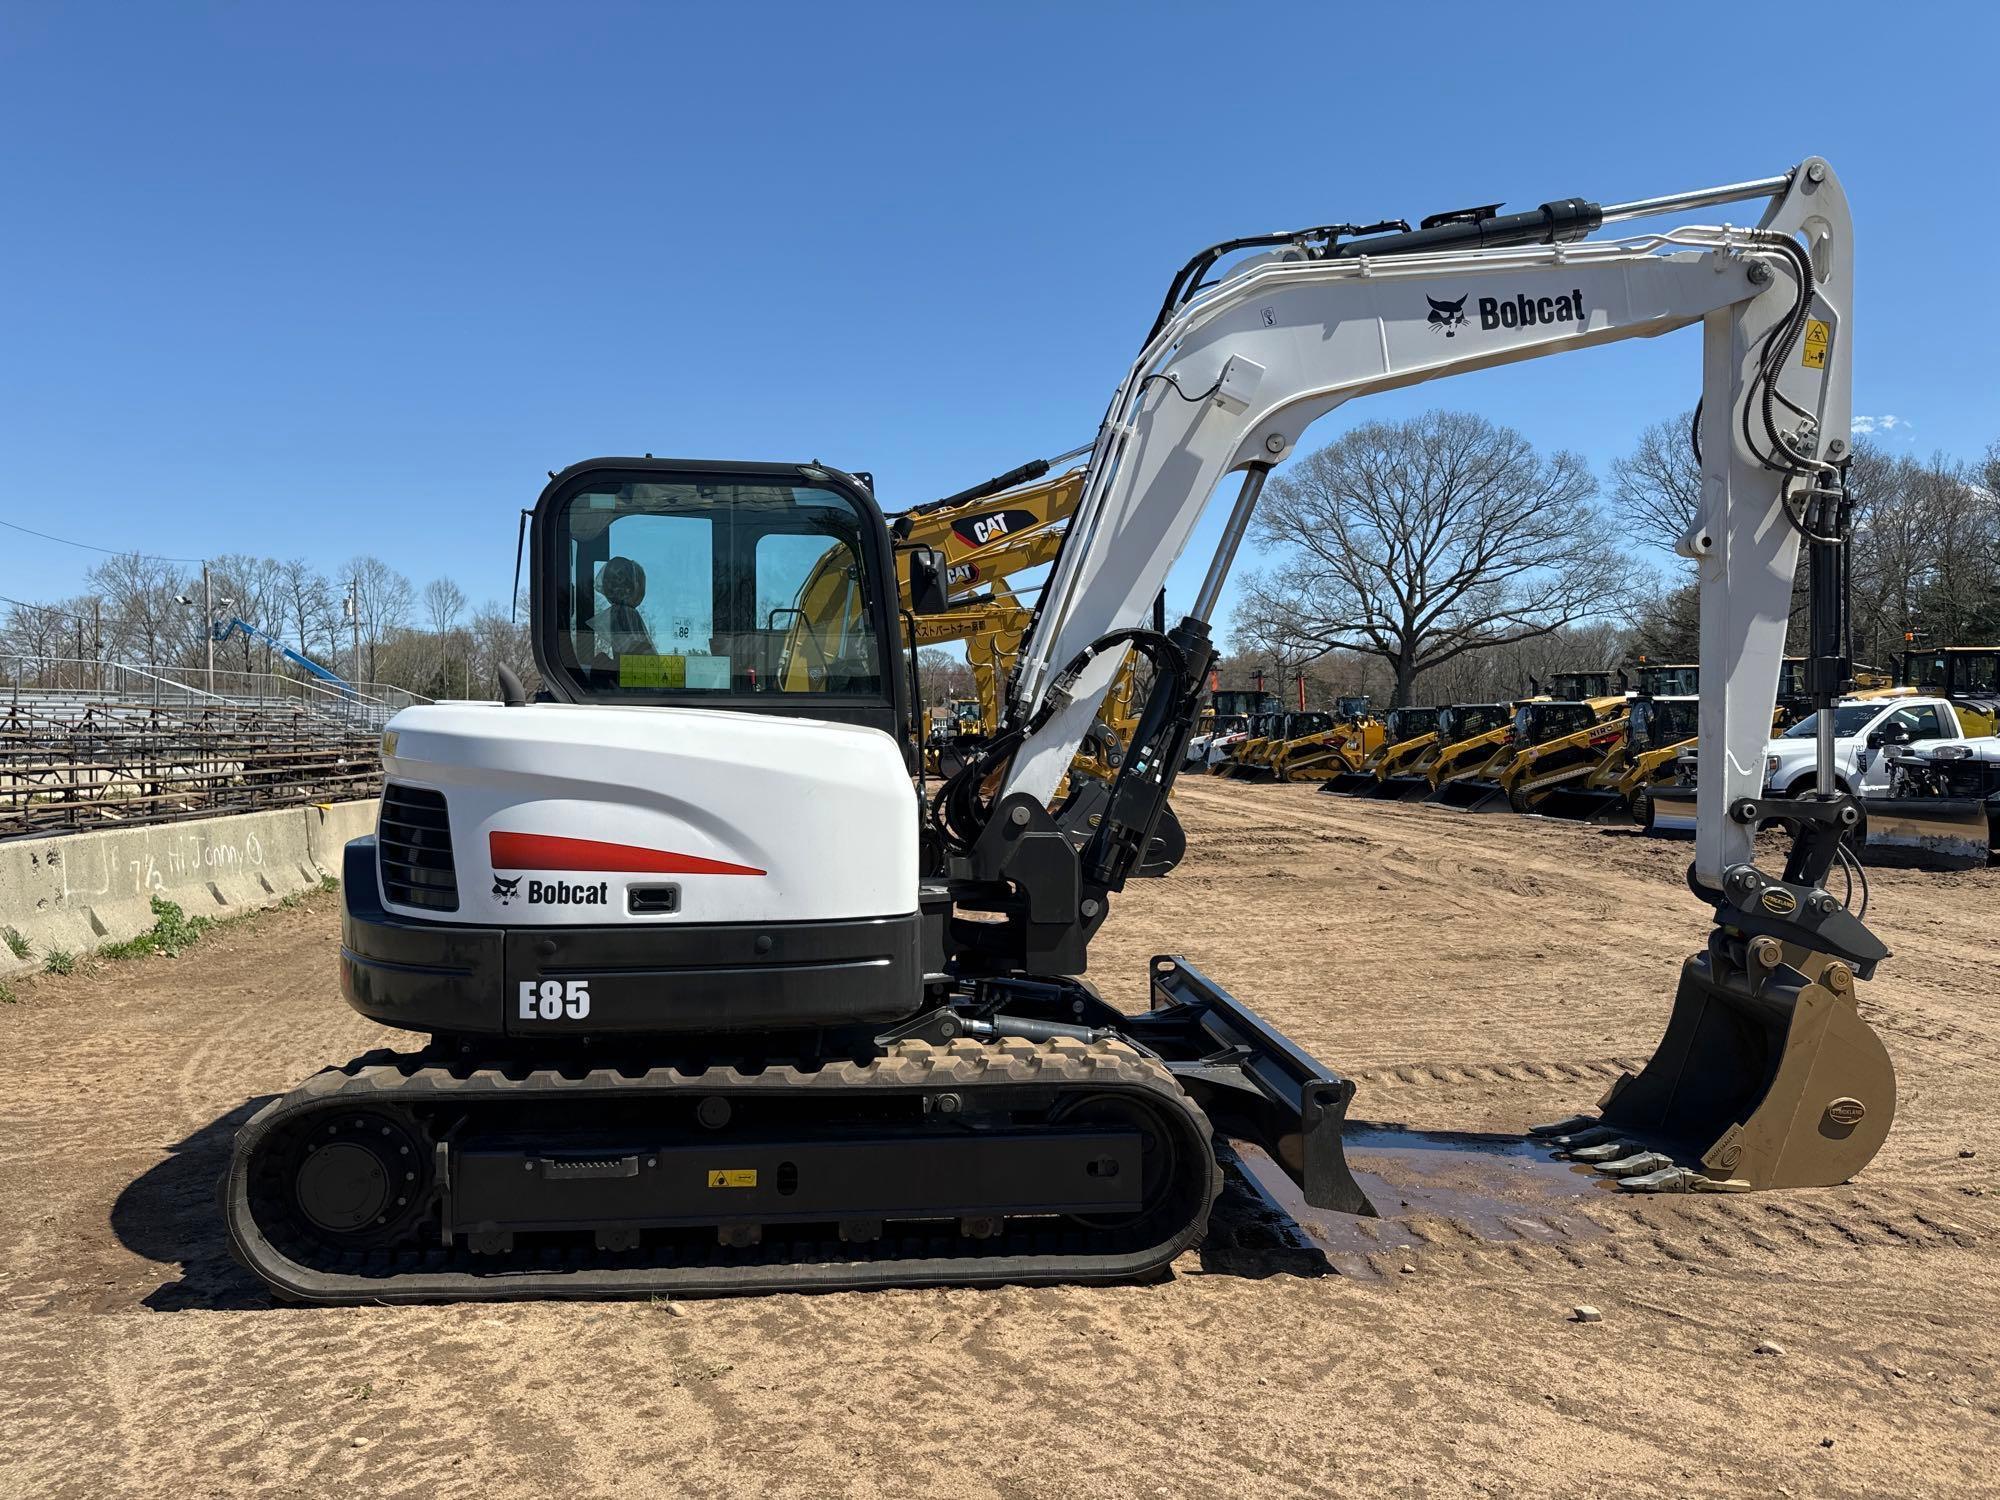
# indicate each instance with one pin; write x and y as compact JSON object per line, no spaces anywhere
{"x":208,"y":624}
{"x":97,"y":640}
{"x":352,"y":604}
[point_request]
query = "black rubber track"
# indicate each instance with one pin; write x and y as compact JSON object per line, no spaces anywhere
{"x":297,"y":1267}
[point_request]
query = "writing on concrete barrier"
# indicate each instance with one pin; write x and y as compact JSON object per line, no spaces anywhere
{"x":186,"y":855}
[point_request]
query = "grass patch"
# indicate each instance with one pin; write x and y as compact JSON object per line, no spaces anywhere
{"x":329,"y":883}
{"x":7,"y":995}
{"x":173,"y":931}
{"x":14,"y":941}
{"x":60,"y":961}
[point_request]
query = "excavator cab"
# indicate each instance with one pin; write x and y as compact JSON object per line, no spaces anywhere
{"x":759,"y":588}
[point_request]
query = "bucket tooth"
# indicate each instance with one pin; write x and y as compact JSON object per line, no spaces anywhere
{"x":1638,"y":1164}
{"x":1596,"y":1135}
{"x":1764,"y":1076}
{"x":1612,"y":1150}
{"x":1668,"y":1179}
{"x":1569,"y":1126}
{"x":1705,"y":1184}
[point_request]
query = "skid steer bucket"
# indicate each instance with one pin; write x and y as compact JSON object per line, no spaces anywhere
{"x":1583,"y":804}
{"x":1469,"y":795}
{"x":1401,"y":788}
{"x":1952,"y":830}
{"x":1667,"y":809}
{"x":1351,"y":784}
{"x":1764,"y":1079}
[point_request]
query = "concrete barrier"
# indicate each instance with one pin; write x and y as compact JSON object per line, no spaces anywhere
{"x":77,"y":891}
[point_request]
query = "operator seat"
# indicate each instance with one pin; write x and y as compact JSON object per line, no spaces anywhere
{"x":621,"y":629}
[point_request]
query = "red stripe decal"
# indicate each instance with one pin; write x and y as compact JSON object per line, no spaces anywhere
{"x":542,"y":851}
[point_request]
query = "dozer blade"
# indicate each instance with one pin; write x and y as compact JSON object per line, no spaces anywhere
{"x":1954,"y":830}
{"x":1783,"y":1085}
{"x":1470,"y":795}
{"x":1581,"y":805}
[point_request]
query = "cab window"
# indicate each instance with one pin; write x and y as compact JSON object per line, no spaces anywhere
{"x":692,"y":589}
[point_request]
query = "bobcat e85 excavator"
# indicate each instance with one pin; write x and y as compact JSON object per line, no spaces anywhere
{"x":714,"y":1006}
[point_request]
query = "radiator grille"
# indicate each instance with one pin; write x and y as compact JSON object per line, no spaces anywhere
{"x":413,"y":842}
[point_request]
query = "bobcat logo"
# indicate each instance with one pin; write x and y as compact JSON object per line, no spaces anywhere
{"x":506,"y":889}
{"x":1446,"y":316}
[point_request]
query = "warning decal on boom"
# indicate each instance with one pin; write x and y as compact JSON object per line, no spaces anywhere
{"x":1818,"y":336}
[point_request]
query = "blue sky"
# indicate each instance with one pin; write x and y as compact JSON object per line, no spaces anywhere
{"x":333,"y":279}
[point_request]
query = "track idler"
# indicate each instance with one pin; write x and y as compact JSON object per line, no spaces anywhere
{"x":1767,"y":1076}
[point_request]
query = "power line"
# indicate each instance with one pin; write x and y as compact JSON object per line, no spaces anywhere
{"x":107,"y":551}
{"x":47,"y":609}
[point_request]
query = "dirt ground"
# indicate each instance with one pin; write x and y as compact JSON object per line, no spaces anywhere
{"x":1470,"y":973}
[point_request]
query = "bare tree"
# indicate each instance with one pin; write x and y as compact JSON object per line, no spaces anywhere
{"x":144,"y":618}
{"x":381,"y":602}
{"x":942,"y":674}
{"x":1264,"y":644}
{"x":1420,"y":541}
{"x":444,"y":602}
{"x":1658,"y":484}
{"x":308,"y":602}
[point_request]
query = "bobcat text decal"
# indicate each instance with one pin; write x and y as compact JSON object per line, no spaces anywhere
{"x":1517,"y":311}
{"x":1523,"y":311}
{"x":542,"y":852}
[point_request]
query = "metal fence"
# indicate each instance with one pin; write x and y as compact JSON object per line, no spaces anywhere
{"x":145,"y":747}
{"x":63,"y":678}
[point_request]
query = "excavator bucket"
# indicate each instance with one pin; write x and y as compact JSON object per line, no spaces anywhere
{"x":1951,"y":830}
{"x":1764,"y":1084}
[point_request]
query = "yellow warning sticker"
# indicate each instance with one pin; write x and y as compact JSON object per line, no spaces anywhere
{"x":733,"y":1177}
{"x":1818,"y":336}
{"x":636,"y":671}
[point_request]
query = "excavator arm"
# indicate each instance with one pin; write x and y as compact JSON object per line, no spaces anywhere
{"x":1235,"y":374}
{"x":1766,"y":1075}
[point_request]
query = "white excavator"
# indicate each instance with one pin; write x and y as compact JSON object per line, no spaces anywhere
{"x":713,"y":1003}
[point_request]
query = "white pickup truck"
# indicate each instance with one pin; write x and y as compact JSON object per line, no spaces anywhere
{"x":1864,"y":732}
